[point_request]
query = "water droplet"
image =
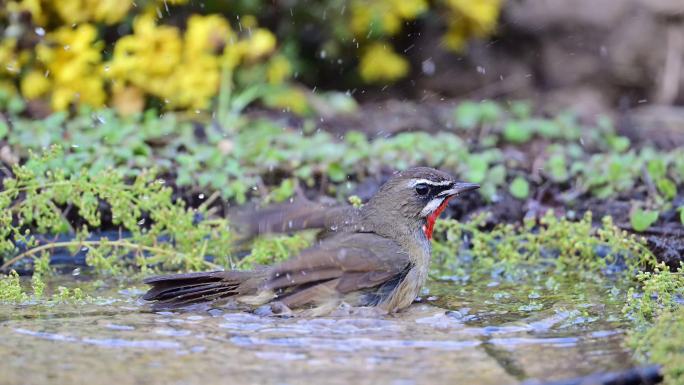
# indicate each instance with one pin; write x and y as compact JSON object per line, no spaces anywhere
{"x":428,"y":67}
{"x":201,"y":196}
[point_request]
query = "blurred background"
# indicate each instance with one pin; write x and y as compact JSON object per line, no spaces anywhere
{"x":170,"y":54}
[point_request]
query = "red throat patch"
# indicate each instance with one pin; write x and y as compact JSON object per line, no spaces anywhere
{"x":430,"y":220}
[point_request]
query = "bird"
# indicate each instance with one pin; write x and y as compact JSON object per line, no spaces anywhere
{"x":375,"y":256}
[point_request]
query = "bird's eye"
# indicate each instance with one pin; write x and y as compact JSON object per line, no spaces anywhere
{"x":422,"y":189}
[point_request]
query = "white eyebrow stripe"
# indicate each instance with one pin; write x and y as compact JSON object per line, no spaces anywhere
{"x":448,"y":192}
{"x":415,"y":182}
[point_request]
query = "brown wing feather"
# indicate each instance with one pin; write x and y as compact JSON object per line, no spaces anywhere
{"x":291,"y":216}
{"x":359,"y":260}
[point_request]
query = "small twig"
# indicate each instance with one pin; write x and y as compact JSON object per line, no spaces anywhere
{"x":212,"y":198}
{"x":61,"y":214}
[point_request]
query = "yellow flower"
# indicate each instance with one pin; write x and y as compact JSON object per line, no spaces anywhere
{"x":110,"y":11}
{"x":207,"y":34}
{"x":409,"y":9}
{"x":470,"y":18}
{"x":260,"y":43}
{"x":73,"y":61}
{"x":383,"y":17}
{"x":380,"y":64}
{"x":34,"y":85}
{"x":185,"y":73}
{"x":278,"y":70}
{"x":196,"y":82}
{"x":481,"y":15}
{"x":151,"y":51}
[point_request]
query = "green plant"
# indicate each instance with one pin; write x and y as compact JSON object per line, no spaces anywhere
{"x":38,"y":196}
{"x":642,"y":219}
{"x":520,"y":188}
{"x":266,"y":251}
{"x":566,"y":246}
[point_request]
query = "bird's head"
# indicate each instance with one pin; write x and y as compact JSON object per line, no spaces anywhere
{"x":417,"y":196}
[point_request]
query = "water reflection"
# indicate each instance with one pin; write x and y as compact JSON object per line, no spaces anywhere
{"x":119,"y":341}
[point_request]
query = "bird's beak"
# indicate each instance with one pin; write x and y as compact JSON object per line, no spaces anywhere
{"x":458,"y":188}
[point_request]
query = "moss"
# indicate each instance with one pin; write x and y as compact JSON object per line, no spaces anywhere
{"x":663,"y":343}
{"x":551,"y":244}
{"x":11,"y":290}
{"x":143,"y":207}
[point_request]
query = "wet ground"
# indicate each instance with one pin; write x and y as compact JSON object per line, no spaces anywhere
{"x":493,"y":334}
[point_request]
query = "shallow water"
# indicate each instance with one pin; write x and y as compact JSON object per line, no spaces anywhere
{"x":489,"y":334}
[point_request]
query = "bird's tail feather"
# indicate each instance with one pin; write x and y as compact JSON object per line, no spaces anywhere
{"x":179,"y":290}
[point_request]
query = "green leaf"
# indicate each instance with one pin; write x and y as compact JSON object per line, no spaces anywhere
{"x":467,"y":115}
{"x":489,"y":112}
{"x":619,"y":143}
{"x":667,"y":187}
{"x":336,"y":173}
{"x":642,"y":219}
{"x":520,"y":188}
{"x":558,"y":168}
{"x":477,"y":168}
{"x":16,"y":105}
{"x":547,"y":128}
{"x":517,"y":131}
{"x":284,"y":191}
{"x":521,"y":109}
{"x":656,"y":168}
